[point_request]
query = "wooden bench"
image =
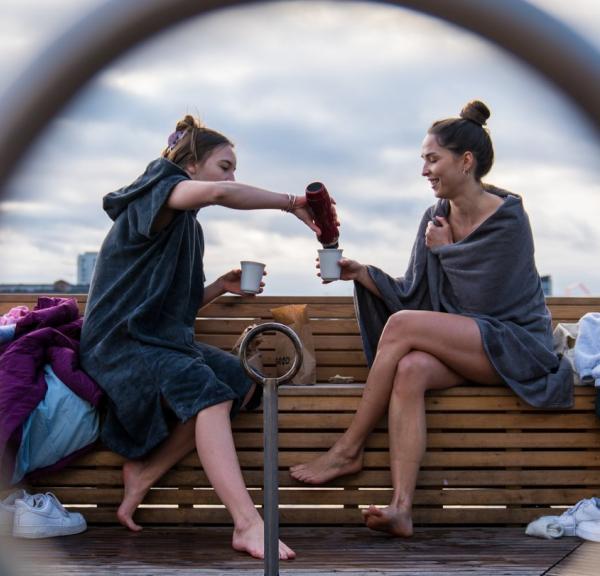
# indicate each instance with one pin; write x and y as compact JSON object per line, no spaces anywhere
{"x":491,"y":459}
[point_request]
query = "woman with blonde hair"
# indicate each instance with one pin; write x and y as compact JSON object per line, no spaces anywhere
{"x":166,"y":392}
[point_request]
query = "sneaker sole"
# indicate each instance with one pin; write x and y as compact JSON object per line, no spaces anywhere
{"x":32,"y":532}
{"x":592,"y":534}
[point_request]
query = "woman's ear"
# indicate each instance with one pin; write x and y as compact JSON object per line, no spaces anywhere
{"x":191,"y":168}
{"x":468,"y":162}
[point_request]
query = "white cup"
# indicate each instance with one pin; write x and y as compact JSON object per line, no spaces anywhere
{"x":328,"y":262}
{"x":252,"y":273}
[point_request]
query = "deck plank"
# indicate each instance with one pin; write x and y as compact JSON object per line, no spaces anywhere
{"x":183,"y":551}
{"x":584,"y":561}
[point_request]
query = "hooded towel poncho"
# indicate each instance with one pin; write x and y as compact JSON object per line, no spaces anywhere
{"x":137,"y":340}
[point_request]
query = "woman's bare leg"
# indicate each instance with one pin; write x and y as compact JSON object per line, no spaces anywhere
{"x":417,"y":372}
{"x":140,"y":475}
{"x":455,"y":340}
{"x":214,"y":442}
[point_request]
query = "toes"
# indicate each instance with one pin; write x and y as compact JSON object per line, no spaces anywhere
{"x":289,"y":552}
{"x":129,"y":523}
{"x":300,"y":475}
{"x":286,"y":554}
{"x":373,"y":510}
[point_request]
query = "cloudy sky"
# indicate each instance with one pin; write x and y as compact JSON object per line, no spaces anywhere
{"x":337,"y":92}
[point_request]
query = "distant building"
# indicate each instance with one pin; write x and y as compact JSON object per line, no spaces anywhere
{"x":85,"y":267}
{"x":547,"y":285}
{"x":58,"y":287}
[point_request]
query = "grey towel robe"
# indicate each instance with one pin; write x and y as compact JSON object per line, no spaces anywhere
{"x":490,"y":276}
{"x":137,"y":340}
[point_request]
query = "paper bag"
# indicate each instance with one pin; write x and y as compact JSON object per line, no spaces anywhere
{"x":252,"y":352}
{"x":296,"y":317}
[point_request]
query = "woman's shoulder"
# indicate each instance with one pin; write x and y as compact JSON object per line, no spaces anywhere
{"x":504,"y":194}
{"x":512,"y":203}
{"x":159,"y":177}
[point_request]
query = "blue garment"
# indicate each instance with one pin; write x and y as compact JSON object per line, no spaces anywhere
{"x":7,"y":333}
{"x":137,"y":340}
{"x":61,"y":424}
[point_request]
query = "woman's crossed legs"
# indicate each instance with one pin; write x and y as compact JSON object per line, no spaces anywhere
{"x":418,"y":351}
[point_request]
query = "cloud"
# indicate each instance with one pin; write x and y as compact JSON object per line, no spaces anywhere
{"x":341,"y":93}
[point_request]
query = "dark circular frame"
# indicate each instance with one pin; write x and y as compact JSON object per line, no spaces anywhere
{"x":535,"y":37}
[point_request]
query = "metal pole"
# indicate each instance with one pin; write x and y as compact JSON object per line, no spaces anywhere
{"x":270,"y":441}
{"x":271,"y":484}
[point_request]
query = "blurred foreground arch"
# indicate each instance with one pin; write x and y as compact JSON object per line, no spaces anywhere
{"x":567,"y":60}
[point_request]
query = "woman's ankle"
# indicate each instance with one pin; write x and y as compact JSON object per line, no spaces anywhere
{"x":401,"y":503}
{"x":348,"y":450}
{"x":243,"y":521}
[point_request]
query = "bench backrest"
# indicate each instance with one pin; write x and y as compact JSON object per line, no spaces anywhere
{"x":491,"y":459}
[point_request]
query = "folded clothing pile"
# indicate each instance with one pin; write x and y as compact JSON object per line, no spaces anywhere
{"x":49,"y":407}
{"x":581,"y":520}
{"x":37,"y":516}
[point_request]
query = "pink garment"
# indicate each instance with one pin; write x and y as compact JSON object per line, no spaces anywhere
{"x":13,"y":315}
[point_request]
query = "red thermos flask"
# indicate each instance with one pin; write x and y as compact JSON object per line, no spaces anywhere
{"x":320,"y":203}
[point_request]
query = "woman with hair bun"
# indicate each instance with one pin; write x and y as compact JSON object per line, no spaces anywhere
{"x":470,"y":307}
{"x":166,"y":392}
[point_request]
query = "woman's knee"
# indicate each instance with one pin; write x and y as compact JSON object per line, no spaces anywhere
{"x":414,"y":373}
{"x":398,"y":326}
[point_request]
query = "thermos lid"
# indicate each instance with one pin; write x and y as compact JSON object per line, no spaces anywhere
{"x":315,"y":187}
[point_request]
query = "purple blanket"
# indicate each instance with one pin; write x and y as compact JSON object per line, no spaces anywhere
{"x":47,"y":335}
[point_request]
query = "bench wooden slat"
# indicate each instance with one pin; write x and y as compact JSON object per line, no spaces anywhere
{"x":208,"y":326}
{"x":537,"y":420}
{"x":324,"y":496}
{"x":313,"y":516}
{"x":468,"y":478}
{"x":379,"y":459}
{"x":466,"y":390}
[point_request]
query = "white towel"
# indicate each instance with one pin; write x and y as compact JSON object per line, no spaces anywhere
{"x":587,"y":348}
{"x":564,"y":337}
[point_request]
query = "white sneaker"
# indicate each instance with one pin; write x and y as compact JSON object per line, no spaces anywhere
{"x":7,"y":510}
{"x":545,"y":527}
{"x":43,"y":516}
{"x":587,"y":510}
{"x":588,"y":530}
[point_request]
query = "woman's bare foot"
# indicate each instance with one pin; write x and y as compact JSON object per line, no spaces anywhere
{"x":330,"y":465}
{"x":394,"y":521}
{"x":133,"y":495}
{"x":251,"y":540}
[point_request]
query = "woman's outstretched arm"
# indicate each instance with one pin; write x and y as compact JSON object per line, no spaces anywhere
{"x":194,"y":195}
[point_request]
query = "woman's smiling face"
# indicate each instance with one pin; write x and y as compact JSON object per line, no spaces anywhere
{"x":443,"y":168}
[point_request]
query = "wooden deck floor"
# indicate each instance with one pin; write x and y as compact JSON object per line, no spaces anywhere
{"x":321,"y":551}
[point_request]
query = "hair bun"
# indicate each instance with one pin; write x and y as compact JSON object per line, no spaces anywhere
{"x":475,"y":111}
{"x":188,"y":122}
